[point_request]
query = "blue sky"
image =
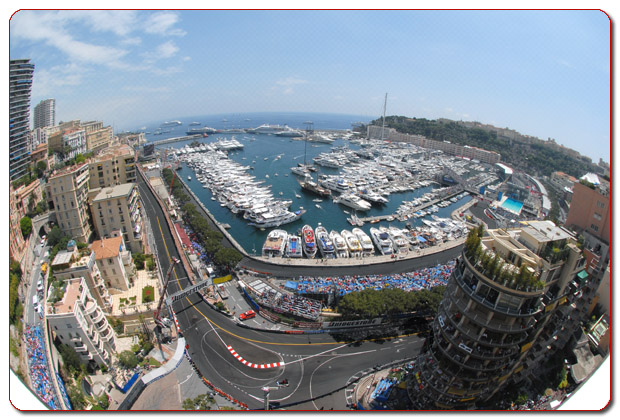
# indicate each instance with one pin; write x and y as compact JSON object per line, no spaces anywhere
{"x":542,"y":73}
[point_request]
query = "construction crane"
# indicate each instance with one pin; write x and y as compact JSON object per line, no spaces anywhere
{"x":174,"y":174}
{"x":157,"y":313}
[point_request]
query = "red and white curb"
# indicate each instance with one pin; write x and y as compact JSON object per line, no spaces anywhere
{"x":253,"y":365}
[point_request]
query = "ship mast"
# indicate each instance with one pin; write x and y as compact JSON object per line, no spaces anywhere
{"x":383,"y":126}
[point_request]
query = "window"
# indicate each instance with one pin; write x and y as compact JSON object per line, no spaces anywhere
{"x":594,"y":227}
{"x":600,"y":204}
{"x":597,"y":216}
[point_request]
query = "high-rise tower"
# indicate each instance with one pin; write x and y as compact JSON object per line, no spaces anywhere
{"x":505,"y":289}
{"x":45,"y":114}
{"x":20,"y":85}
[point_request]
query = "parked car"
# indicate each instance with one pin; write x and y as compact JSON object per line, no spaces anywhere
{"x":247,"y":315}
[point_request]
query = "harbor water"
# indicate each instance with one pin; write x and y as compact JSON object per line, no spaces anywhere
{"x":270,"y":158}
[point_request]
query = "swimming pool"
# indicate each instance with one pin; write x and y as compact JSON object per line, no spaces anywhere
{"x":512,"y":205}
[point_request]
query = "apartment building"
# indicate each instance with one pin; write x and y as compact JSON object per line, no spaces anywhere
{"x":80,"y":323}
{"x":67,"y":195}
{"x":98,"y":137}
{"x":500,"y":315}
{"x":114,"y":165}
{"x":118,"y":208}
{"x":45,"y":114}
{"x":114,"y":262}
{"x":68,"y":143}
{"x":73,"y":263}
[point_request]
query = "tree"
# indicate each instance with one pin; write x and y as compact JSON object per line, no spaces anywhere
{"x":70,"y":359}
{"x":26,"y":226}
{"x":128,"y":359}
{"x":228,"y":257}
{"x":40,"y":168}
{"x":201,"y":402}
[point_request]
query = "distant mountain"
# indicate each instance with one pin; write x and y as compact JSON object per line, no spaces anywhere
{"x":530,"y":154}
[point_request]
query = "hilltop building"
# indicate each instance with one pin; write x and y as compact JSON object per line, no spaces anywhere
{"x":469,"y":152}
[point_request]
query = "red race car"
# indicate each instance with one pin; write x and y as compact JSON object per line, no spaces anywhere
{"x":247,"y":315}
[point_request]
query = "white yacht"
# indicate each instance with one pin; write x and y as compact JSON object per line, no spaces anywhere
{"x":353,"y":201}
{"x":275,"y":243}
{"x":401,"y":244}
{"x":367,"y":248}
{"x":293,"y":247}
{"x":273,"y":219}
{"x":335,"y":185}
{"x":342,"y":250}
{"x":355,"y":248}
{"x":266,"y":129}
{"x":382,"y":241}
{"x":326,"y":246}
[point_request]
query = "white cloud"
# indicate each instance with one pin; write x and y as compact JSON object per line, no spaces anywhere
{"x":162,"y":24}
{"x":287,"y":84}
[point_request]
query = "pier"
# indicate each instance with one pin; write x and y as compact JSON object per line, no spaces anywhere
{"x":176,"y":139}
{"x":415,"y":209}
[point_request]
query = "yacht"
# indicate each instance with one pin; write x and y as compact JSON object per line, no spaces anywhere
{"x":202,"y":130}
{"x":342,"y":250}
{"x":293,"y":247}
{"x":353,"y":201}
{"x":309,"y":244}
{"x":372,"y":196}
{"x":324,"y":242}
{"x":277,"y":218}
{"x":309,"y":185}
{"x":289,"y":132}
{"x":335,"y":185}
{"x":266,"y":129}
{"x":367,"y":247}
{"x":275,"y":243}
{"x":355,"y":248}
{"x":401,"y":244}
{"x":382,"y":241}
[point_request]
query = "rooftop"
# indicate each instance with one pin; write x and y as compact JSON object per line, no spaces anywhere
{"x":72,"y":294}
{"x":107,"y":193}
{"x":546,"y":231}
{"x":107,"y":248}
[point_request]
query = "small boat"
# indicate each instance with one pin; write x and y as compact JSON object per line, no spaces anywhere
{"x":318,"y":206}
{"x":189,"y":178}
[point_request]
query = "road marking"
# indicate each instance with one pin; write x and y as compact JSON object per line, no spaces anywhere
{"x":253,"y":365}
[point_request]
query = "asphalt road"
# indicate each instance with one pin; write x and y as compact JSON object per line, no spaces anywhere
{"x":318,"y":367}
